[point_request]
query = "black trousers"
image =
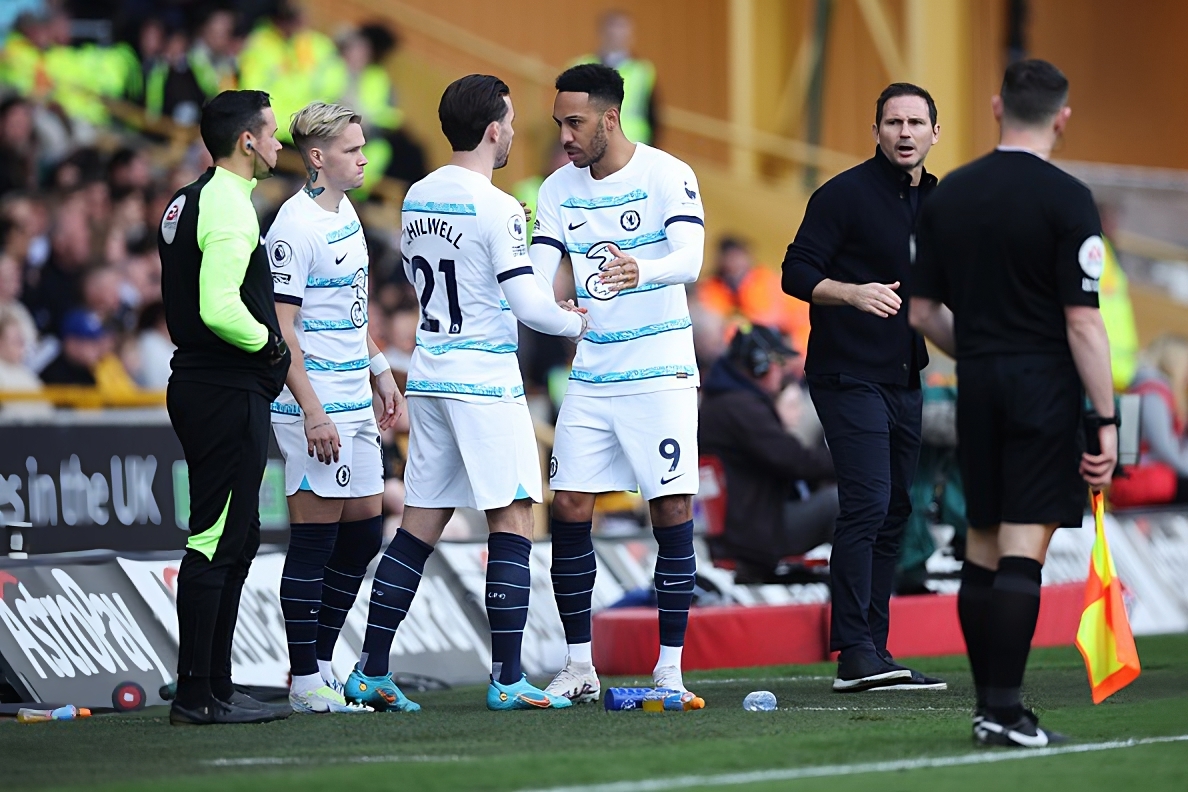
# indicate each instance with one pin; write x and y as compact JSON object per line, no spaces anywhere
{"x":224,"y":435}
{"x":873,"y":433}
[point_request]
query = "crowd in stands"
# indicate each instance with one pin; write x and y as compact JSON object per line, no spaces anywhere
{"x":88,"y":91}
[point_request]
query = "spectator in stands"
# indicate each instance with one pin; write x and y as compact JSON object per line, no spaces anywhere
{"x":212,"y":57}
{"x":58,"y":286}
{"x":172,"y":88}
{"x":1162,"y":473}
{"x":403,"y":334}
{"x":1116,"y":310}
{"x":739,"y":289}
{"x":14,"y":374}
{"x":293,"y":63}
{"x":780,"y":495}
{"x":18,"y":147}
{"x":102,"y":295}
{"x":10,"y":295}
{"x":155,"y":348}
{"x":28,"y":238}
{"x":617,"y":40}
{"x":129,"y":169}
{"x":369,"y":90}
{"x":85,"y":341}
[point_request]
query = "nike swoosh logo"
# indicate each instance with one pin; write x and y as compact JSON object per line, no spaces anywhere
{"x":340,"y":260}
{"x":668,"y":480}
{"x":573,"y":227}
{"x":542,"y":702}
{"x":671,"y":582}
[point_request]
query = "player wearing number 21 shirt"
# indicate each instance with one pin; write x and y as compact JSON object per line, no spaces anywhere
{"x":471,"y":441}
{"x":630,"y":219}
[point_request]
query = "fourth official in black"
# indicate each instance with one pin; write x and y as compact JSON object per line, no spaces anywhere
{"x":1009,"y":256}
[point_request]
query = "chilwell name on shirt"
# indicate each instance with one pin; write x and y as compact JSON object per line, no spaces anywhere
{"x":433,"y":226}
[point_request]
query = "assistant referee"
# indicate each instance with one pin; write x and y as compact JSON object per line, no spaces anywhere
{"x":1012,"y":245}
{"x":229,"y":365}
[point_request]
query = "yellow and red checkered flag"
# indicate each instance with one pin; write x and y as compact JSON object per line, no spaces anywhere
{"x":1104,"y":636}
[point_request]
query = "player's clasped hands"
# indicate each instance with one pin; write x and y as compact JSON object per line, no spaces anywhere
{"x":322,"y":437}
{"x":391,"y":402}
{"x":879,"y":299}
{"x":570,"y":305}
{"x":621,"y":273}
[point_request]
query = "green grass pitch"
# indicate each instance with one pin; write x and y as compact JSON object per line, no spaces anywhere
{"x":816,"y":741}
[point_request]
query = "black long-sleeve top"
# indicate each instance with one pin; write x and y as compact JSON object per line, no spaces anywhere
{"x":858,"y":228}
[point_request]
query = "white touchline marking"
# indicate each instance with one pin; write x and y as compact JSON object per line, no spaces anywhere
{"x":874,"y":709}
{"x":763,"y":679}
{"x":794,"y":773}
{"x":254,"y":761}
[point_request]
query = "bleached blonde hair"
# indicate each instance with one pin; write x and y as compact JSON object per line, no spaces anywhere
{"x":319,"y":122}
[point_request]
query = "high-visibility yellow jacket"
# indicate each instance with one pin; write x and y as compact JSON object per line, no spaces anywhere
{"x":1118,"y":315}
{"x":294,"y":71}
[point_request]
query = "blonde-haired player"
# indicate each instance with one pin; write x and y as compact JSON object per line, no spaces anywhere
{"x":325,"y":419}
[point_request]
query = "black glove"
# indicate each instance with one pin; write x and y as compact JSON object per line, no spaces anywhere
{"x":275,"y":350}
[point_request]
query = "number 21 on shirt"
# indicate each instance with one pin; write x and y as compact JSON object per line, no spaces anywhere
{"x":425,"y":281}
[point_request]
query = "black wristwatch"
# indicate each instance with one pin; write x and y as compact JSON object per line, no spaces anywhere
{"x":1113,"y":420}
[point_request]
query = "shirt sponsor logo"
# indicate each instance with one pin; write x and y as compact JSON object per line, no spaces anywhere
{"x":1091,"y":257}
{"x":281,"y":277}
{"x":170,"y":220}
{"x":691,"y":193}
{"x":281,"y":254}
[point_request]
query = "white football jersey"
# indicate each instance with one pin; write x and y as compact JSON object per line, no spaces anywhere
{"x":461,"y":237}
{"x":641,"y":339}
{"x":319,"y":262}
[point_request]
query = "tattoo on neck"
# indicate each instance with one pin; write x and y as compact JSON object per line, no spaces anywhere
{"x":310,"y":190}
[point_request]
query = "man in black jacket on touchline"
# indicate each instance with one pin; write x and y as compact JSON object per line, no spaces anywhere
{"x":851,"y":260}
{"x":780,"y":497}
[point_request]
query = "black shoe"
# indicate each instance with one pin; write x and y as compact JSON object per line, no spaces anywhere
{"x":238,"y":699}
{"x":219,"y":712}
{"x":917,"y":682}
{"x":864,"y":672}
{"x":1023,"y":733}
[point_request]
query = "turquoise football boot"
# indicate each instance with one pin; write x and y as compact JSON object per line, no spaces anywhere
{"x":379,"y":692}
{"x":522,"y":696}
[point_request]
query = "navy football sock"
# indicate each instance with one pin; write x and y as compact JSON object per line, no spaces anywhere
{"x":509,"y":582}
{"x":310,"y":546}
{"x":573,"y":571}
{"x":676,"y":569}
{"x":358,"y":542}
{"x":396,"y":580}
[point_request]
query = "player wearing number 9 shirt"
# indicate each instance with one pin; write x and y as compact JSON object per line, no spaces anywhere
{"x":471,"y":441}
{"x":630,"y":219}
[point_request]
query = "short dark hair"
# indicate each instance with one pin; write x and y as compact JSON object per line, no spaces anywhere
{"x":1033,"y":91}
{"x":228,"y":116}
{"x":468,"y":106}
{"x":903,"y":89}
{"x":728,"y":243}
{"x":602,"y":83}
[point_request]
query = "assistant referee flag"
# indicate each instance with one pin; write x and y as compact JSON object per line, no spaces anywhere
{"x":1104,"y":636}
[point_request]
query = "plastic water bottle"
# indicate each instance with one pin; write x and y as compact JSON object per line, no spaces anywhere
{"x":760,"y":701}
{"x":68,"y":712}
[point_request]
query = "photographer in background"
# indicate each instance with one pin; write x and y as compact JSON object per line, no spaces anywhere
{"x":781,"y":499}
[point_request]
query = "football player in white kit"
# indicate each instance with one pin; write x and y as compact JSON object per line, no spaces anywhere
{"x":630,"y":219}
{"x":324,"y":420}
{"x":471,"y":441}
